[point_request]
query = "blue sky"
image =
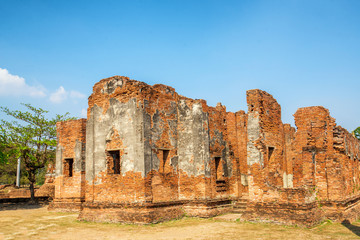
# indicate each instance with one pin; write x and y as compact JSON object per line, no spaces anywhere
{"x":304,"y":53}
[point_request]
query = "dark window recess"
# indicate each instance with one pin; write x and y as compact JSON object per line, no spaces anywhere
{"x":217,"y":168}
{"x":313,"y":157}
{"x":165,"y":155}
{"x":220,"y":186}
{"x":68,"y":167}
{"x":114,"y":161}
{"x":270,"y":152}
{"x":220,"y":183}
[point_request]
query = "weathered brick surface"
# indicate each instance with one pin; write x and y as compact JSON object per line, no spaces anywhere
{"x":69,"y":181}
{"x":131,"y":213}
{"x":329,"y":161}
{"x":153,"y":155}
{"x":46,"y":190}
{"x":321,"y":160}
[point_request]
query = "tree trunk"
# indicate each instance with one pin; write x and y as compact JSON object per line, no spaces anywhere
{"x":32,"y":183}
{"x":32,"y":192}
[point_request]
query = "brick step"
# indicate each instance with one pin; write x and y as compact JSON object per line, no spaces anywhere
{"x":239,"y":207}
{"x":242,"y":200}
{"x":240,"y":204}
{"x":237,"y":210}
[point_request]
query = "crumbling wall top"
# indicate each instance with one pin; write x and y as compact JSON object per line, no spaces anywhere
{"x":123,"y":89}
{"x":262,"y":102}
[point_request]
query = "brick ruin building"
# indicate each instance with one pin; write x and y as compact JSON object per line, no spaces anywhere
{"x":147,"y":154}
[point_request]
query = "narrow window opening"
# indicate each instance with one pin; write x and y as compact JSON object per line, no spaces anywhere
{"x":68,"y":167}
{"x":270,"y":152}
{"x":165,"y":155}
{"x":114,"y":162}
{"x":220,"y":182}
{"x":217,"y":168}
{"x":313,"y":157}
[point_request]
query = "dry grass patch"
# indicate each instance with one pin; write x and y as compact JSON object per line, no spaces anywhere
{"x":38,"y":223}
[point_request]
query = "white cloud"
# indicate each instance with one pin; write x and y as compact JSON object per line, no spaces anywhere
{"x":75,"y":94}
{"x":60,"y":95}
{"x":13,"y":85}
{"x":83,"y":113}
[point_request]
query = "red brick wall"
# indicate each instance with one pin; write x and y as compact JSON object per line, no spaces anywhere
{"x":326,"y":155}
{"x":266,"y":173}
{"x":170,"y":182}
{"x":195,"y":153}
{"x":71,"y":137}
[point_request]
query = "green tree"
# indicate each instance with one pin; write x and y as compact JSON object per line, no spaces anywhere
{"x":356,"y":133}
{"x":3,"y":144}
{"x":32,"y":137}
{"x":7,"y":168}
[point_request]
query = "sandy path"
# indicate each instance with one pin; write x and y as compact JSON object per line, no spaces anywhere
{"x":38,"y":223}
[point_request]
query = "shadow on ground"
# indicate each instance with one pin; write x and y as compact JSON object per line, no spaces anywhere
{"x":18,"y":206}
{"x":351,"y":227}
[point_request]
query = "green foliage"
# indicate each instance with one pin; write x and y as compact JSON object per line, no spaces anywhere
{"x":32,"y":137}
{"x":40,"y":176}
{"x":356,"y":133}
{"x":8,"y":162}
{"x":7,"y":173}
{"x":3,"y":145}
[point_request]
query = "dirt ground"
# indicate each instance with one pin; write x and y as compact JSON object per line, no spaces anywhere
{"x":35,"y":222}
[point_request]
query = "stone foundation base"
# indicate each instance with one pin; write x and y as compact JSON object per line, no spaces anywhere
{"x":66,"y":205}
{"x":208,"y":208}
{"x":284,"y":213}
{"x":308,"y":214}
{"x":339,"y":211}
{"x":152,"y":212}
{"x":131,"y":213}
